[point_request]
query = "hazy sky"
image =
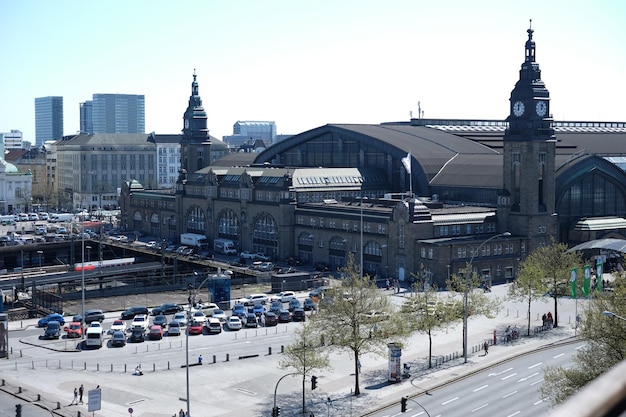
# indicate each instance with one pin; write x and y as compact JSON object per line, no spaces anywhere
{"x":304,"y":64}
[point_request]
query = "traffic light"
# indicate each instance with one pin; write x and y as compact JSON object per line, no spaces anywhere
{"x":275,"y":411}
{"x":313,"y":382}
{"x":403,"y":405}
{"x":18,"y":410}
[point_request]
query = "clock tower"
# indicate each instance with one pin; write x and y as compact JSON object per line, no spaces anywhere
{"x":526,"y":206}
{"x":195,"y":143}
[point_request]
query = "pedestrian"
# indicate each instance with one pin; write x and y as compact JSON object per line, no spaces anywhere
{"x":486,"y":347}
{"x":263,"y":320}
{"x":80,"y":393}
{"x":311,"y":414}
{"x":200,"y":360}
{"x":181,"y":413}
{"x":75,"y":400}
{"x":387,"y":283}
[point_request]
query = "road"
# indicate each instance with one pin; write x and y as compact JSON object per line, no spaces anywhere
{"x":507,"y":390}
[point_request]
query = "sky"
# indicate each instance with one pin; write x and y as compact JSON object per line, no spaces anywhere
{"x":304,"y":64}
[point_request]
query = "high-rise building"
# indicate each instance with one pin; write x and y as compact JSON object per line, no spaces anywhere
{"x":248,"y":132}
{"x":48,"y":119}
{"x":114,"y":113}
{"x":86,"y":117}
{"x":12,"y":139}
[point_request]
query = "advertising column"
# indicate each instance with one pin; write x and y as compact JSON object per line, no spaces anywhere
{"x":395,"y":368}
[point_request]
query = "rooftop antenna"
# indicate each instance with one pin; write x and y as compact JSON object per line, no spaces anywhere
{"x":419,"y":110}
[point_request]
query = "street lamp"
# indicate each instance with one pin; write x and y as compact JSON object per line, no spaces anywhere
{"x":611,"y":314}
{"x":470,"y":270}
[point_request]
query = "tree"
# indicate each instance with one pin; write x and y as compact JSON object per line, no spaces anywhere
{"x":554,"y":265}
{"x":429,"y":312}
{"x":358,"y":317}
{"x":304,"y":356}
{"x":478,"y":303}
{"x":605,"y":346}
{"x":529,"y":285}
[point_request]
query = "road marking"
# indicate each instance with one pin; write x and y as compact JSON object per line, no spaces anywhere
{"x":482,"y":406}
{"x":537,"y":364}
{"x":528,"y":377}
{"x":449,"y":401}
{"x":245,"y":391}
{"x":418,"y":414}
{"x":514,"y":414}
{"x":501,"y":372}
{"x":508,"y":376}
{"x":558,"y":356}
{"x":538,"y":402}
{"x":580,"y":347}
{"x":509,"y":394}
{"x":537,"y":382}
{"x":479,"y":388}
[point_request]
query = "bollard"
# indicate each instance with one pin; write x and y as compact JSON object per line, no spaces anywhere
{"x":3,"y":382}
{"x":168,"y":365}
{"x":494,"y":338}
{"x":282,"y":348}
{"x":227,"y":357}
{"x":269,"y":350}
{"x":124,"y":368}
{"x":59,"y":363}
{"x":111,"y":368}
{"x":213,"y":358}
{"x":84,"y":366}
{"x":38,"y":397}
{"x":154,"y":367}
{"x":58,"y":405}
{"x":33,"y":364}
{"x":78,"y":414}
{"x":19,"y":390}
{"x":98,"y":366}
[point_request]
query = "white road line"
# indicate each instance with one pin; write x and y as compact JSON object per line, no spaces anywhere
{"x":537,"y":364}
{"x":558,"y":356}
{"x":501,"y":372}
{"x":509,"y":376}
{"x":528,"y":377}
{"x":580,"y":347}
{"x":479,"y":388}
{"x":514,"y":414}
{"x":418,"y":414}
{"x":449,"y":401}
{"x":509,"y":394}
{"x":538,"y":402}
{"x":482,"y":406}
{"x":537,"y":382}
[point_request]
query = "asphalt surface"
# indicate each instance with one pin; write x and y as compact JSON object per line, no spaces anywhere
{"x":119,"y":390}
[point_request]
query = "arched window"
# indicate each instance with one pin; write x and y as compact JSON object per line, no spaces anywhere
{"x":137,"y":216}
{"x":228,"y":224}
{"x":154,"y":218}
{"x":265,"y":235}
{"x":195,"y":220}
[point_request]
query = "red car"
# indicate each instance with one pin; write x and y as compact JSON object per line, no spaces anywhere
{"x":156,"y":333}
{"x":74,"y":329}
{"x":196,"y":328}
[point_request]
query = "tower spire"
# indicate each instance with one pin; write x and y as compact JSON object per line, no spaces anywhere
{"x":530,"y":44}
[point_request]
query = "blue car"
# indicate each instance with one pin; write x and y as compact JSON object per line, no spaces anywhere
{"x":239,"y":310}
{"x":43,"y":322}
{"x":258,"y":310}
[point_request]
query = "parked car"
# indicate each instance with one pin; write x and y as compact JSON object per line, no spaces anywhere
{"x":276,"y":307}
{"x":167,"y":308}
{"x":118,"y":339}
{"x":180,"y":318}
{"x":284,"y":316}
{"x":251,"y":320}
{"x":247,"y":255}
{"x":118,"y":325}
{"x":220,"y":315}
{"x":213,"y":325}
{"x":133,"y":311}
{"x":94,"y":315}
{"x":294,"y":304}
{"x":74,"y":330}
{"x":239,"y":310}
{"x":138,"y":335}
{"x":198,"y":316}
{"x":266,"y":266}
{"x":156,"y":332}
{"x":140,"y":321}
{"x":207,"y":308}
{"x":298,"y":315}
{"x":173,"y":329}
{"x":53,"y":330}
{"x":160,"y":320}
{"x":43,"y":322}
{"x":258,"y":309}
{"x":309,"y":305}
{"x":255,"y":299}
{"x":196,"y":327}
{"x":271,"y":319}
{"x":233,"y":323}
{"x":284,"y":296}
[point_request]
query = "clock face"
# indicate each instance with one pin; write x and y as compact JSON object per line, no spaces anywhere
{"x":187,"y":124}
{"x":518,"y":108}
{"x":541,"y":108}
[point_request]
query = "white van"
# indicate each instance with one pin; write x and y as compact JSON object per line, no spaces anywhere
{"x":94,"y":337}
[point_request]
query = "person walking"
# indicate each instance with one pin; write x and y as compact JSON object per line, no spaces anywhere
{"x":80,"y":393}
{"x":75,"y":400}
{"x":486,"y":347}
{"x":181,"y":413}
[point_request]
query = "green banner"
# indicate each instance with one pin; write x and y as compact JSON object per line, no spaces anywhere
{"x":587,"y":280}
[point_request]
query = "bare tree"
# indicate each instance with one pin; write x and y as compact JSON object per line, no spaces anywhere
{"x":304,"y":356}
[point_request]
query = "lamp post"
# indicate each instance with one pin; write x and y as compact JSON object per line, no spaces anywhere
{"x":470,"y":270}
{"x":611,"y":314}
